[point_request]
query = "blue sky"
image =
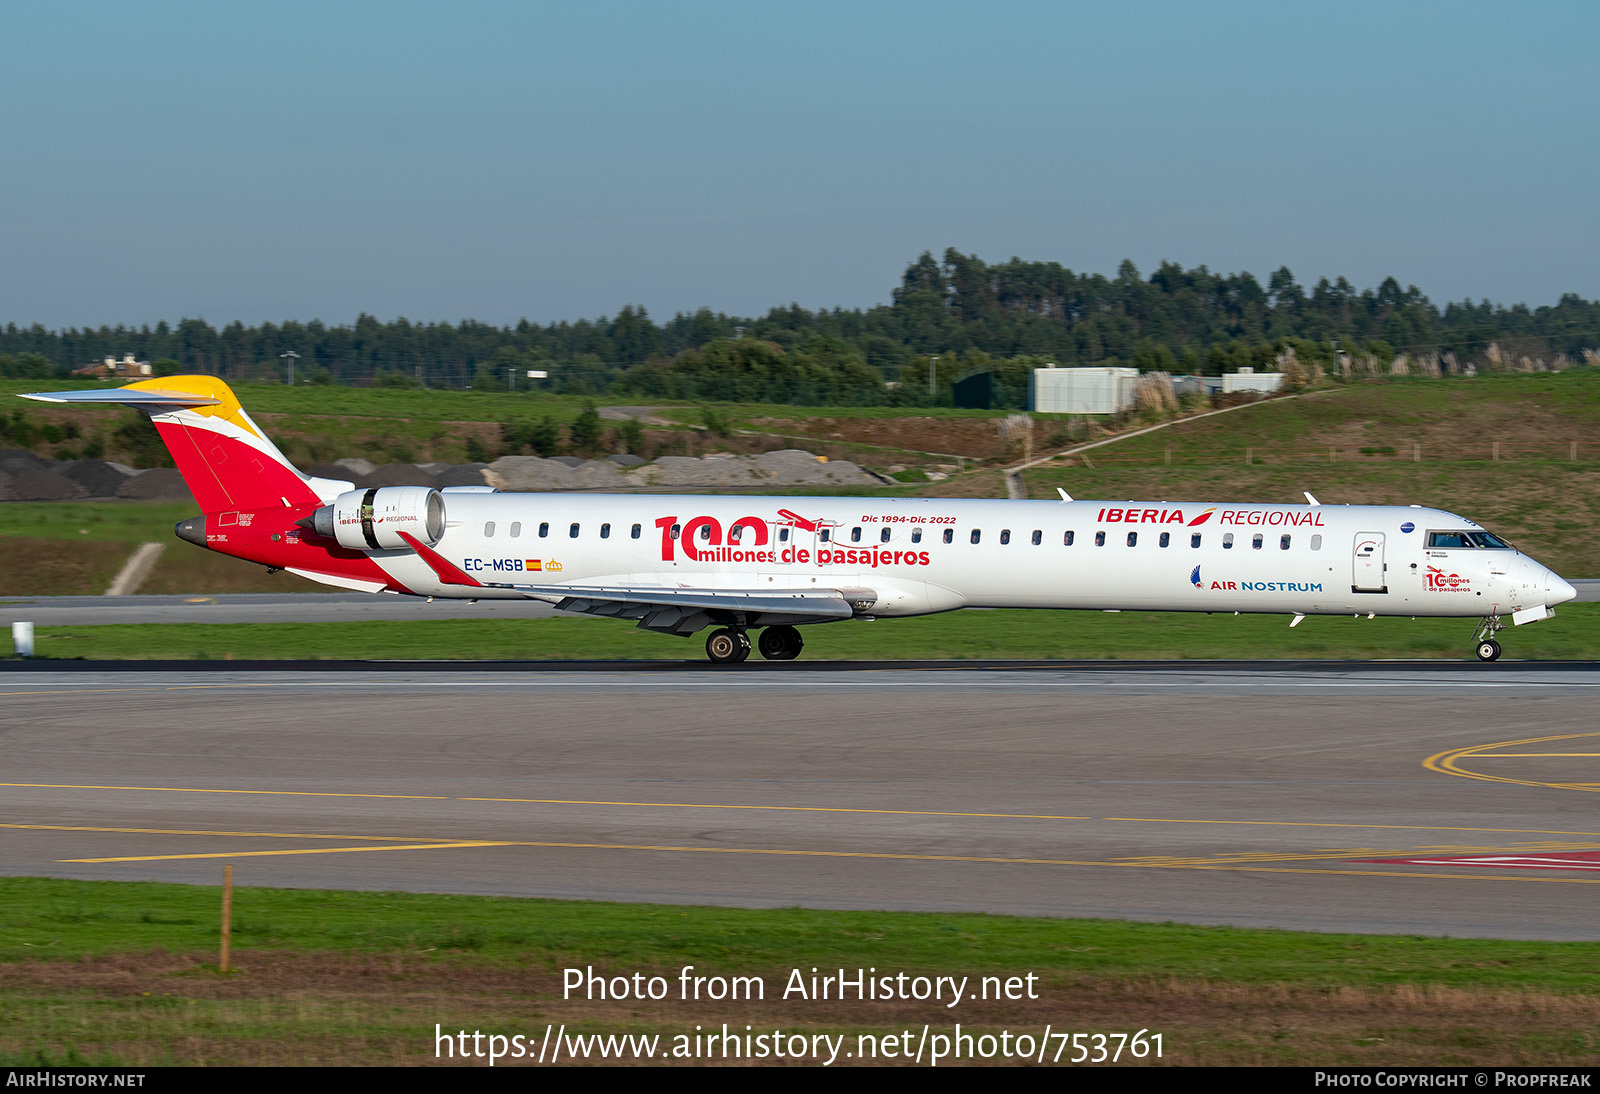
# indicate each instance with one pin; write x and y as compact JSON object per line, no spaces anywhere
{"x":300,"y":160}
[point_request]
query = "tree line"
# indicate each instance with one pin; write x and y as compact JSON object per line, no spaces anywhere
{"x":949,"y":317}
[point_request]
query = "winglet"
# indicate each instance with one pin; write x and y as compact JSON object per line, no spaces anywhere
{"x":1309,"y":499}
{"x":1064,"y":495}
{"x":445,"y":570}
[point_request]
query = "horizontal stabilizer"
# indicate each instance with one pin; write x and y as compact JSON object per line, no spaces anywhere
{"x":128,"y":396}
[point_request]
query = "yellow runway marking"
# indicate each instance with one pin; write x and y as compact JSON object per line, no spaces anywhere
{"x":1449,"y":762}
{"x":209,"y":790}
{"x":781,"y":808}
{"x":298,"y":851}
{"x":809,"y":808}
{"x":1328,"y":824}
{"x":193,"y":832}
{"x":872,"y":855}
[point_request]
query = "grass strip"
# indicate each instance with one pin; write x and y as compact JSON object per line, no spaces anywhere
{"x":124,"y":974}
{"x":48,"y":917}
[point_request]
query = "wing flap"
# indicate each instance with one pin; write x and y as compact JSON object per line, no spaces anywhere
{"x":684,"y":611}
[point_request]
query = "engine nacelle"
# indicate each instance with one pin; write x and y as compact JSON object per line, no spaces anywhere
{"x":372,"y":520}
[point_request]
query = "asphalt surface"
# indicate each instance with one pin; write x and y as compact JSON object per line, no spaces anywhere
{"x":1225,"y":792}
{"x":330,"y":607}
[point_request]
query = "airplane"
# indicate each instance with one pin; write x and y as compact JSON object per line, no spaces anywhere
{"x":681,"y":564}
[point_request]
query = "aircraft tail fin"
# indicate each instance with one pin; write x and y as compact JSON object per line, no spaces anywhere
{"x":225,"y":459}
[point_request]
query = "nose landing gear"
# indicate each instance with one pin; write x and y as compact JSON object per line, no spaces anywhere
{"x":1488,"y":648}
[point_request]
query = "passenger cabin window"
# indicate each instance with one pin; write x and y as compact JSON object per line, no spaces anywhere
{"x":605,"y":531}
{"x":516,"y":529}
{"x":949,"y":535}
{"x":916,"y":535}
{"x":855,"y":535}
{"x":1005,"y":536}
{"x":1099,"y":539}
{"x":1255,"y":541}
{"x":635,"y":532}
{"x":544,"y":529}
{"x":705,"y":532}
{"x":1283,"y":543}
{"x":1227,"y":541}
{"x":1066,"y":539}
{"x":1316,"y":543}
{"x":572,"y":533}
{"x":488,"y":527}
{"x":1133,"y":539}
{"x":736,"y":533}
{"x":883,"y":536}
{"x":1166,"y":539}
{"x":825,"y":534}
{"x":1194,"y":540}
{"x":677,"y":529}
{"x":783,"y":535}
{"x":1038,"y":537}
{"x":976,"y":535}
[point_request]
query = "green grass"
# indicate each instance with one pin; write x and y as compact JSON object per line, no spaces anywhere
{"x":41,"y":917}
{"x":100,"y":521}
{"x":1573,"y":634}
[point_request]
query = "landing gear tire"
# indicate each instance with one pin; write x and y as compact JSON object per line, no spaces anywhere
{"x":1488,"y":650}
{"x":780,"y":643}
{"x":727,"y":647}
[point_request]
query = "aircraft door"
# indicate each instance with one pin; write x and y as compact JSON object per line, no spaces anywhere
{"x":1368,"y":576}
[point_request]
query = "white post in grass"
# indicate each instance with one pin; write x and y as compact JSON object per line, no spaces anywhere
{"x":22,"y":638}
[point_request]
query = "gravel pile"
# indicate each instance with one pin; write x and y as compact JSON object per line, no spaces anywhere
{"x":97,"y":477}
{"x":399,"y":474}
{"x":14,"y":461}
{"x":158,"y":482}
{"x":45,"y":486}
{"x":26,"y":477}
{"x":464,"y":474}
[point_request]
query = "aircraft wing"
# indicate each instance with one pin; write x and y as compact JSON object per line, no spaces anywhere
{"x":684,"y":611}
{"x":674,"y":609}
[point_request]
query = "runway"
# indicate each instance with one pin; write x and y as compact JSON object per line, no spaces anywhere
{"x":1381,"y":797}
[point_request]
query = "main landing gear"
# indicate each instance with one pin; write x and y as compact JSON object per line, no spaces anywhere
{"x":1488,"y":648}
{"x":729,"y":645}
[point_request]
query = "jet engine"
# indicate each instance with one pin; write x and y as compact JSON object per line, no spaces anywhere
{"x":372,"y":520}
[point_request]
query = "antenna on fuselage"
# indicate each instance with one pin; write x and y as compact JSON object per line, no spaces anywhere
{"x":1309,"y":498}
{"x":1064,"y":495}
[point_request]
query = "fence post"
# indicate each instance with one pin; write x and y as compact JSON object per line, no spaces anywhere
{"x":1249,"y":455}
{"x":227,"y":915}
{"x":1497,"y":450}
{"x":1416,"y":451}
{"x":1169,"y":454}
{"x":1330,"y":453}
{"x":1574,"y":451}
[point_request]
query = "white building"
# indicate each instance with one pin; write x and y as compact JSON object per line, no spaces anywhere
{"x":1248,"y":379}
{"x":1081,"y":390}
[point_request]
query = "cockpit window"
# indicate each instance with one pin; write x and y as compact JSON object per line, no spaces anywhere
{"x":1467,"y":541}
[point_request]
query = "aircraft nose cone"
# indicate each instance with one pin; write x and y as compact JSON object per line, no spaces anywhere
{"x":1558,"y":591}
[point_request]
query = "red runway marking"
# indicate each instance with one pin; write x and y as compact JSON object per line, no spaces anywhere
{"x":1550,"y":860}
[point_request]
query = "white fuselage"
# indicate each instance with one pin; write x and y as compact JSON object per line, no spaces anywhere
{"x":921,"y":555}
